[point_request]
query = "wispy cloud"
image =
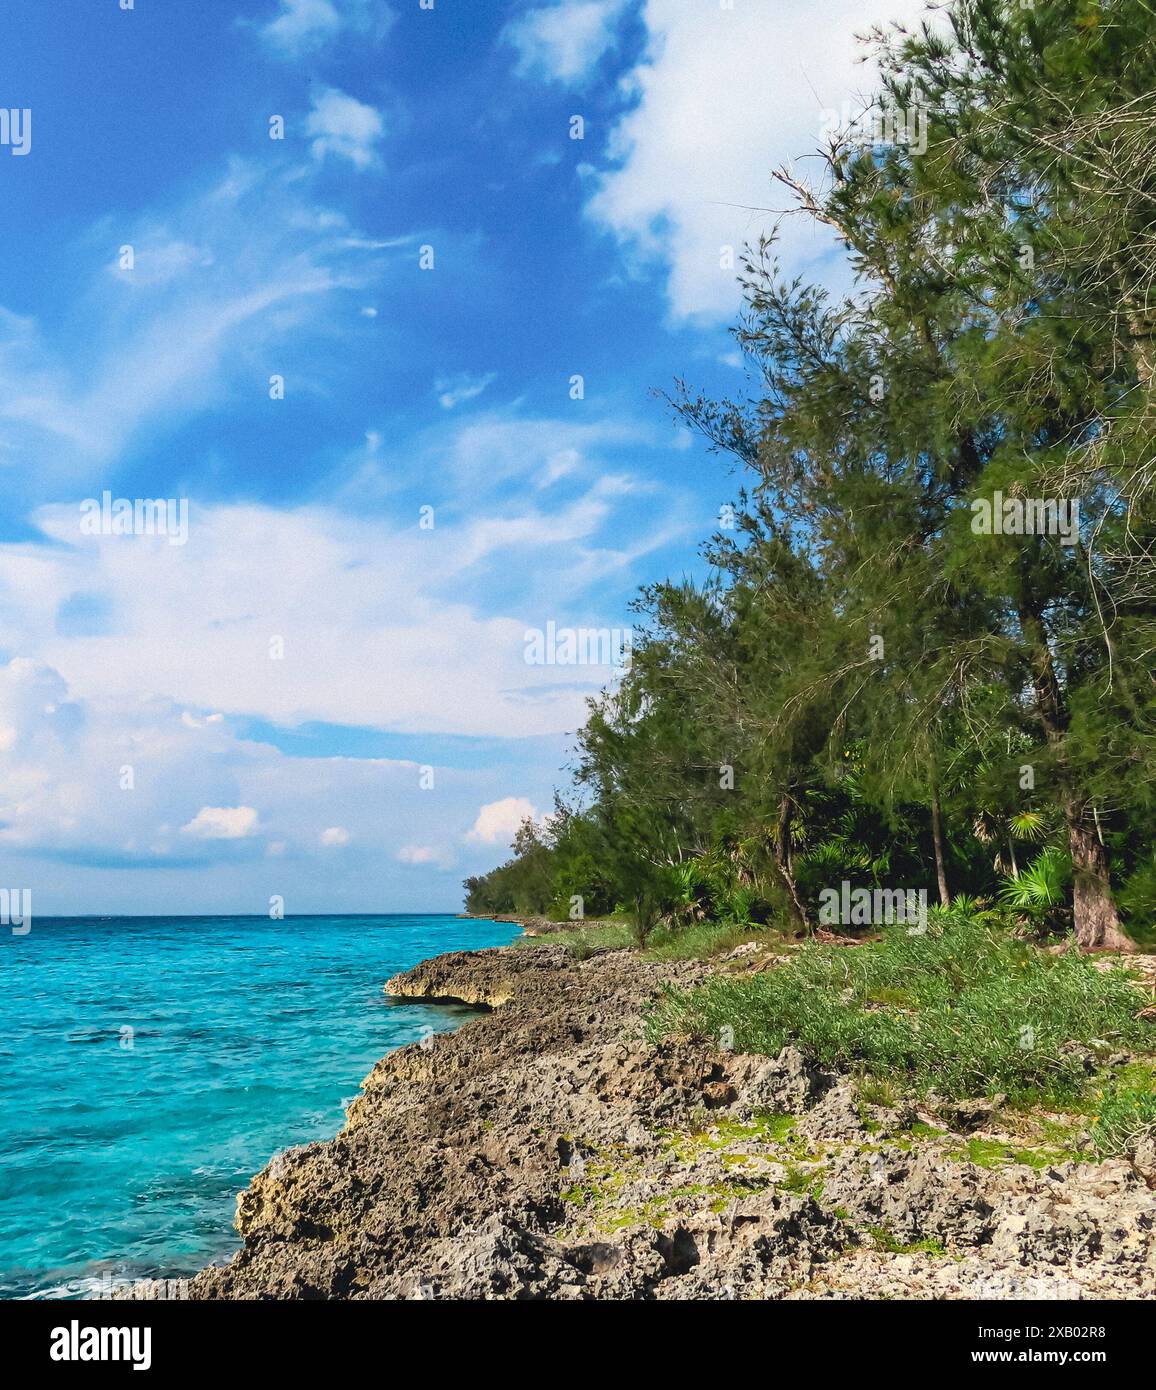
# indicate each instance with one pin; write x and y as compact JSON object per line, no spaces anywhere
{"x":457,"y":390}
{"x":500,"y":445}
{"x":422,"y":856}
{"x":227,"y":272}
{"x":406,"y":616}
{"x":223,"y":823}
{"x":303,"y":26}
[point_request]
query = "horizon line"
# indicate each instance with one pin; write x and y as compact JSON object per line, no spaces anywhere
{"x":257,"y":916}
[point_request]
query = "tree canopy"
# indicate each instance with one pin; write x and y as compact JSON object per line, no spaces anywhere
{"x":923,"y":657}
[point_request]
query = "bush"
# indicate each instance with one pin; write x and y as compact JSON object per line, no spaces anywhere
{"x":1041,"y":892}
{"x":1124,"y":1116}
{"x":963,"y":1008}
{"x":703,"y":941}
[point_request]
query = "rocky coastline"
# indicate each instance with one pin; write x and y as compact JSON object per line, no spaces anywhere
{"x":531,"y":926}
{"x":546,"y":1150}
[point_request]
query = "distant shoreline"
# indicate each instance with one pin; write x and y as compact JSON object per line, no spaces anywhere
{"x":531,"y":925}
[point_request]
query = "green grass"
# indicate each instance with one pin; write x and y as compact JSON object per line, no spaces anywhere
{"x":886,"y":1241}
{"x":1124,"y":1115}
{"x":802,"y":1181}
{"x":981,"y":1012}
{"x":583,"y":942}
{"x":920,"y":1130}
{"x":993,"y":1153}
{"x":703,"y":941}
{"x":878,"y":1090}
{"x":719,"y":1130}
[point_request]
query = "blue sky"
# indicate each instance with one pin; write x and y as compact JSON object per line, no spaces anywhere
{"x":285,"y":685}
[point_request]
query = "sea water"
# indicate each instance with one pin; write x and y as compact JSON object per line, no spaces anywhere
{"x":149,"y":1066}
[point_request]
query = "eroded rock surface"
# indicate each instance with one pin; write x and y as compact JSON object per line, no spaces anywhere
{"x":544,"y":1150}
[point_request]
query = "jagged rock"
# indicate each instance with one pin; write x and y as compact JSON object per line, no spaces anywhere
{"x":786,"y":1084}
{"x":748,"y":948}
{"x":544,"y":1150}
{"x":1144,"y":1159}
{"x":965,"y":1115}
{"x":835,"y":1117}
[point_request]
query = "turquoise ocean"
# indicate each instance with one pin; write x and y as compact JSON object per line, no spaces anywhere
{"x":149,"y":1066}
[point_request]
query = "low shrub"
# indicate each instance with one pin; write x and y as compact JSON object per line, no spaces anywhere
{"x":963,"y":1008}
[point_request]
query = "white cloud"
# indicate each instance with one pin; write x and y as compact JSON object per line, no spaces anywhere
{"x":564,"y":42}
{"x":398,"y":612}
{"x":499,"y":820}
{"x":303,"y":25}
{"x":190,"y":721}
{"x":117,"y":783}
{"x":456,"y":390}
{"x":496,"y":447}
{"x":419,"y":856}
{"x":724,"y":96}
{"x":300,"y":23}
{"x":223,"y":823}
{"x":77,"y":778}
{"x":344,"y":127}
{"x":243,"y":264}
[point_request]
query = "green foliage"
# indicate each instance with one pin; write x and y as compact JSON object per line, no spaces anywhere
{"x":1138,"y":898}
{"x":886,"y":1241}
{"x":866,"y":687}
{"x":980,"y":1011}
{"x":1124,"y":1116}
{"x":524,"y":885}
{"x":703,"y":941}
{"x":1040,"y":888}
{"x":584,"y":942}
{"x":1028,"y":825}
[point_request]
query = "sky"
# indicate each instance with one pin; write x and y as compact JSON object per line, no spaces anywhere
{"x":378,"y":295}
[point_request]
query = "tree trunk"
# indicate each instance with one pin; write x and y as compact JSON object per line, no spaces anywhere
{"x":1097,"y":921}
{"x":1093,"y":908}
{"x":783,"y":854}
{"x":937,"y":841}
